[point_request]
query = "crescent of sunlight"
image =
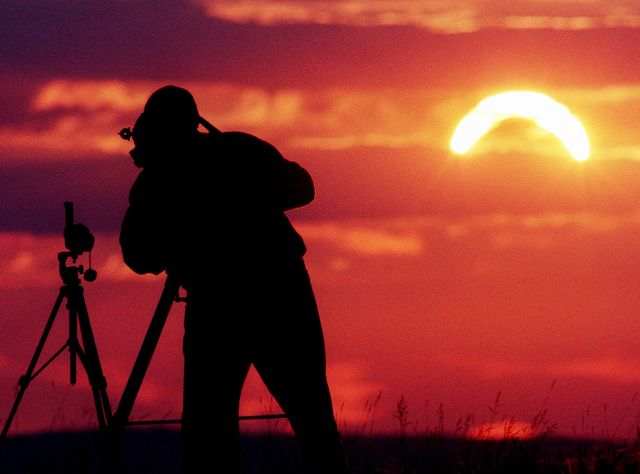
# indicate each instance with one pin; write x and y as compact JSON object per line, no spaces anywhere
{"x":540,"y":108}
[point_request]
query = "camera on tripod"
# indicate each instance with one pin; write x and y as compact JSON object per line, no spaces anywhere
{"x":77,"y":239}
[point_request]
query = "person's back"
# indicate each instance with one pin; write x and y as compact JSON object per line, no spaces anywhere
{"x":222,"y":205}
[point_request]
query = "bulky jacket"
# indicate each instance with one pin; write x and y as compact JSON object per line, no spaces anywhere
{"x":216,"y":203}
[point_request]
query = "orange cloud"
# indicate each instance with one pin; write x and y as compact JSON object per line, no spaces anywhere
{"x":84,"y":116}
{"x":363,"y":239}
{"x":71,"y":118}
{"x":442,"y":17}
{"x":609,"y":368}
{"x":90,"y":95}
{"x":526,"y":225}
{"x":87,"y":116}
{"x":30,"y":259}
{"x":606,"y":368}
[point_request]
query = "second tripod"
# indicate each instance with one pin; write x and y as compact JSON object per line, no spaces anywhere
{"x":81,"y":342}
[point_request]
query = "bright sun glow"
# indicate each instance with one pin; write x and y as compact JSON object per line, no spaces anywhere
{"x":540,"y":108}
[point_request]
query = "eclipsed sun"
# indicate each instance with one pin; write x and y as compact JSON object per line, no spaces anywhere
{"x":544,"y":111}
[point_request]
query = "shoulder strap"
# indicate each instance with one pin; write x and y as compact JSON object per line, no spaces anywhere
{"x":207,"y":125}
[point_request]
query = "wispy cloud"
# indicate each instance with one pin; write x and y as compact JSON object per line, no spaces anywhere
{"x":365,"y":240}
{"x":29,"y":259}
{"x":71,"y":118}
{"x":444,"y":16}
{"x":90,"y":95}
{"x":608,"y":367}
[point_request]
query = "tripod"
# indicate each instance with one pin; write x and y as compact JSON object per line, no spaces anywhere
{"x":81,"y":345}
{"x":120,"y":418}
{"x":73,"y":293}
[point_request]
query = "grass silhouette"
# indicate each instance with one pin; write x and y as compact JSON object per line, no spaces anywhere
{"x":473,"y":446}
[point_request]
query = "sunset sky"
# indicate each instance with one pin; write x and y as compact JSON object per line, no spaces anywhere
{"x":512,"y":270}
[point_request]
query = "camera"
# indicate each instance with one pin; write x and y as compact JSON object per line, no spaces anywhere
{"x":77,"y":237}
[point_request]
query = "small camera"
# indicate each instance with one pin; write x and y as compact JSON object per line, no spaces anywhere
{"x":77,"y":237}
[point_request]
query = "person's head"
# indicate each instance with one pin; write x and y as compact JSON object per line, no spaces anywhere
{"x":168,"y":122}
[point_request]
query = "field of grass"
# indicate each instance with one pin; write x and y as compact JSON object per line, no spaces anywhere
{"x":157,"y":451}
{"x":497,"y":445}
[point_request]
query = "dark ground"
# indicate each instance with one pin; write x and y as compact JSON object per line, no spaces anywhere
{"x":157,"y":451}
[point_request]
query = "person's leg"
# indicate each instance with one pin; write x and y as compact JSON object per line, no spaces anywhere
{"x":290,"y":358}
{"x":215,"y":368}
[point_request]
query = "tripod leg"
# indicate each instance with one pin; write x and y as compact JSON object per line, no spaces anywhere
{"x":89,"y":356}
{"x":121,"y":416}
{"x":28,"y":376}
{"x":73,"y":346}
{"x":96,"y":390}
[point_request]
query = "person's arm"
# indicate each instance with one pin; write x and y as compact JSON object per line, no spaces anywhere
{"x":143,"y":234}
{"x":280,"y":184}
{"x":289,"y":185}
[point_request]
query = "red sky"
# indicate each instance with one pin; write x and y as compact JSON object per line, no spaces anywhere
{"x":442,"y":279}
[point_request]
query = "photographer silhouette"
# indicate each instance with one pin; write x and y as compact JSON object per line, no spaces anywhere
{"x":209,"y":209}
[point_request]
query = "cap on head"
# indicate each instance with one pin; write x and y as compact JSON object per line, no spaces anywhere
{"x":171,"y":110}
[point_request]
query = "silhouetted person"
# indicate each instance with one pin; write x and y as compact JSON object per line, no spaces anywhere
{"x":209,"y":207}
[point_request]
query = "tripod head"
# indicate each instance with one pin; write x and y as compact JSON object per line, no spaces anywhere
{"x":77,"y":239}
